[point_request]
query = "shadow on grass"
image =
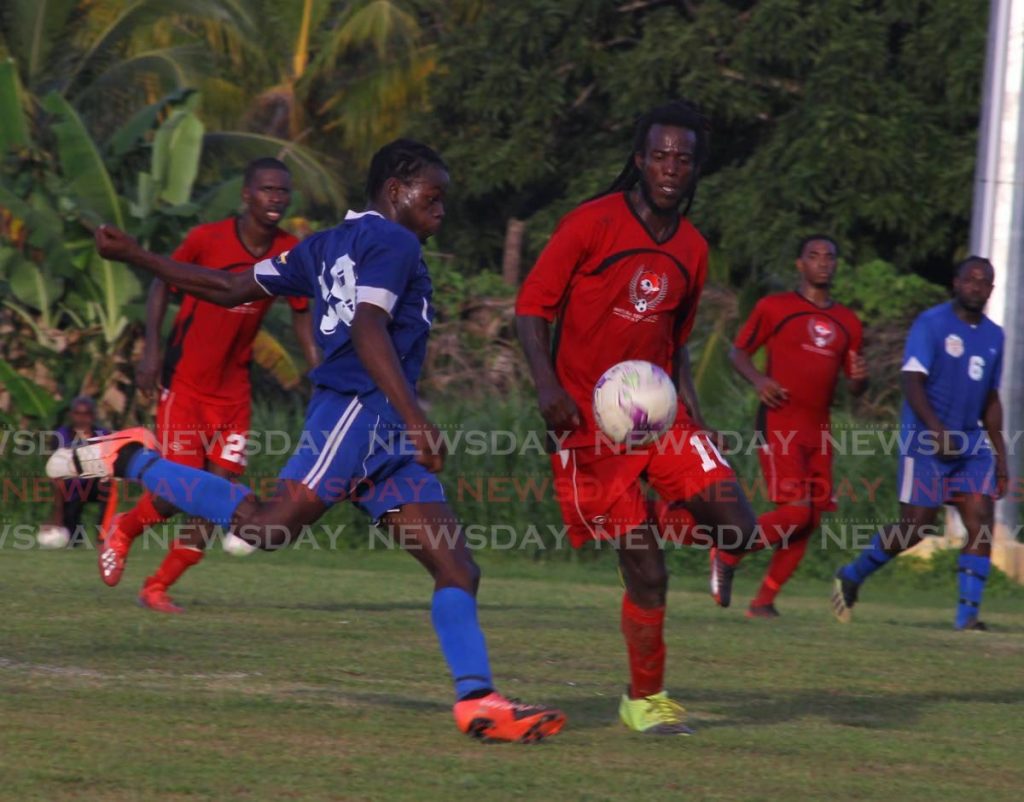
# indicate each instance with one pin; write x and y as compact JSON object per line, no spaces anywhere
{"x":422,"y":606}
{"x":875,"y":712}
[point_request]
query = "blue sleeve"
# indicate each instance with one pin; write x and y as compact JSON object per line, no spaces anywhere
{"x":919,"y":351}
{"x":290,"y":273}
{"x":997,"y":367}
{"x":385,"y":263}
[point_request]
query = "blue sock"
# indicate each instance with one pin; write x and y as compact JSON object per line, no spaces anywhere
{"x":973,"y":570}
{"x":869,"y":561}
{"x":453,"y":612}
{"x":189,"y":489}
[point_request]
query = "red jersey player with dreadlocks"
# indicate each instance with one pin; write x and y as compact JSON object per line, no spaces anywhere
{"x":590,"y":279}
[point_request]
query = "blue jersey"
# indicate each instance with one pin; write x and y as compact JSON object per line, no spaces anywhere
{"x":963,"y":363}
{"x":365,"y":259}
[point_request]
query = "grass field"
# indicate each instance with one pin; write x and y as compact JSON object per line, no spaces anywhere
{"x":315,"y":675}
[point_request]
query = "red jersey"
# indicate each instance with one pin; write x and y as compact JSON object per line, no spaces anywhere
{"x":617,"y":294}
{"x":210,"y":347}
{"x":807,"y":345}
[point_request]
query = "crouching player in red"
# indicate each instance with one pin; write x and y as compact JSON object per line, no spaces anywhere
{"x":809,"y":339}
{"x":365,"y":438}
{"x":206,"y":399}
{"x":622,"y":275}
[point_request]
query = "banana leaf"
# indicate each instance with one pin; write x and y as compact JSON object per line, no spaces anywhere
{"x":27,"y":397}
{"x":82,"y":166}
{"x":269,"y":354}
{"x":13,"y":123}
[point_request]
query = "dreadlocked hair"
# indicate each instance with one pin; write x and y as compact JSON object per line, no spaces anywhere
{"x":402,"y":159}
{"x":677,"y":113}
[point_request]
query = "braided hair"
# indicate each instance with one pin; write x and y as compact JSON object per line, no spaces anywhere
{"x":677,"y":113}
{"x":402,"y":159}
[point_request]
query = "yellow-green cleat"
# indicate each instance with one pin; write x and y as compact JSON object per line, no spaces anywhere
{"x":654,"y":715}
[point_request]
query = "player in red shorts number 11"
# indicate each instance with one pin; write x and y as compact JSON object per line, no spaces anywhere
{"x":621,"y":278}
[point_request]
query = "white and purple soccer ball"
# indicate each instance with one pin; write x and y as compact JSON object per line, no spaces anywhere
{"x":634,"y":401}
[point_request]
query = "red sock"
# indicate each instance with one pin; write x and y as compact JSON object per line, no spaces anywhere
{"x":784,"y":563}
{"x":646,"y":647}
{"x":783,"y":524}
{"x":140,"y":516}
{"x":178,"y":560}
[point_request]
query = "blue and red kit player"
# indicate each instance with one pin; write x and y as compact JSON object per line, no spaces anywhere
{"x":372,"y":295}
{"x":952,"y":449}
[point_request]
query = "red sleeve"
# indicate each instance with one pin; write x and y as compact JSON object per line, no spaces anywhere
{"x":546,"y":284}
{"x":684,"y":325}
{"x":190,"y":250}
{"x":756,"y":330}
{"x":856,"y":342}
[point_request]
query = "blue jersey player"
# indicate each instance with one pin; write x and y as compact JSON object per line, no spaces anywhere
{"x":951,"y":442}
{"x":366,"y":439}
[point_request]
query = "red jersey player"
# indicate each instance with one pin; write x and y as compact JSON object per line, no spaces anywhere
{"x":205,"y":397}
{"x":591,"y":279}
{"x":809,"y":338}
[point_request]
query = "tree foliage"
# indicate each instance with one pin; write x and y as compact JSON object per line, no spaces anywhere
{"x":855,"y":118}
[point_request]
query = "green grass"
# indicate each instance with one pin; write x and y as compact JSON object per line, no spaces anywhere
{"x":315,"y":675}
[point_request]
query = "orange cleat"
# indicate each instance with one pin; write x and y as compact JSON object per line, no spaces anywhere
{"x":155,"y":598}
{"x":494,"y":718}
{"x":114,"y":553}
{"x":98,"y":455}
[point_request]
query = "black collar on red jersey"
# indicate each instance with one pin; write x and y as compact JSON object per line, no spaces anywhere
{"x":640,"y":220}
{"x":801,"y":296}
{"x":256,"y":256}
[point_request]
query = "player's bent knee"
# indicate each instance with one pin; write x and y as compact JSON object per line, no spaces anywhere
{"x":255,"y":523}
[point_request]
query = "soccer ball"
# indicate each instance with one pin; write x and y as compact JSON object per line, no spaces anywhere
{"x":634,"y":401}
{"x":53,"y":537}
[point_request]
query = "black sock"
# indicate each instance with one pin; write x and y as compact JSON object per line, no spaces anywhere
{"x":479,"y":693}
{"x":124,"y":456}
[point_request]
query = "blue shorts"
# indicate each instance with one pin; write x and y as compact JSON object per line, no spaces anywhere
{"x":924,"y":480}
{"x":350,"y":452}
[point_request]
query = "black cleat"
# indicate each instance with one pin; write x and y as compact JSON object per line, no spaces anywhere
{"x":721,"y":578}
{"x":762,"y":611}
{"x":973,"y":625}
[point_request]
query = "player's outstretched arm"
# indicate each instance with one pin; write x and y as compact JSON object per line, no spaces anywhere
{"x":216,"y":286}
{"x":993,"y":422}
{"x":376,"y":350}
{"x":556,"y":405}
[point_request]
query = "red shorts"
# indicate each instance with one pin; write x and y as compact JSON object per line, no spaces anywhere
{"x":795,"y":472}
{"x":193,"y":431}
{"x":600,"y":491}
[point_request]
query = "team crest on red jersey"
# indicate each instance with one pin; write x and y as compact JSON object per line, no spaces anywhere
{"x":822,"y":331}
{"x":647,"y":289}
